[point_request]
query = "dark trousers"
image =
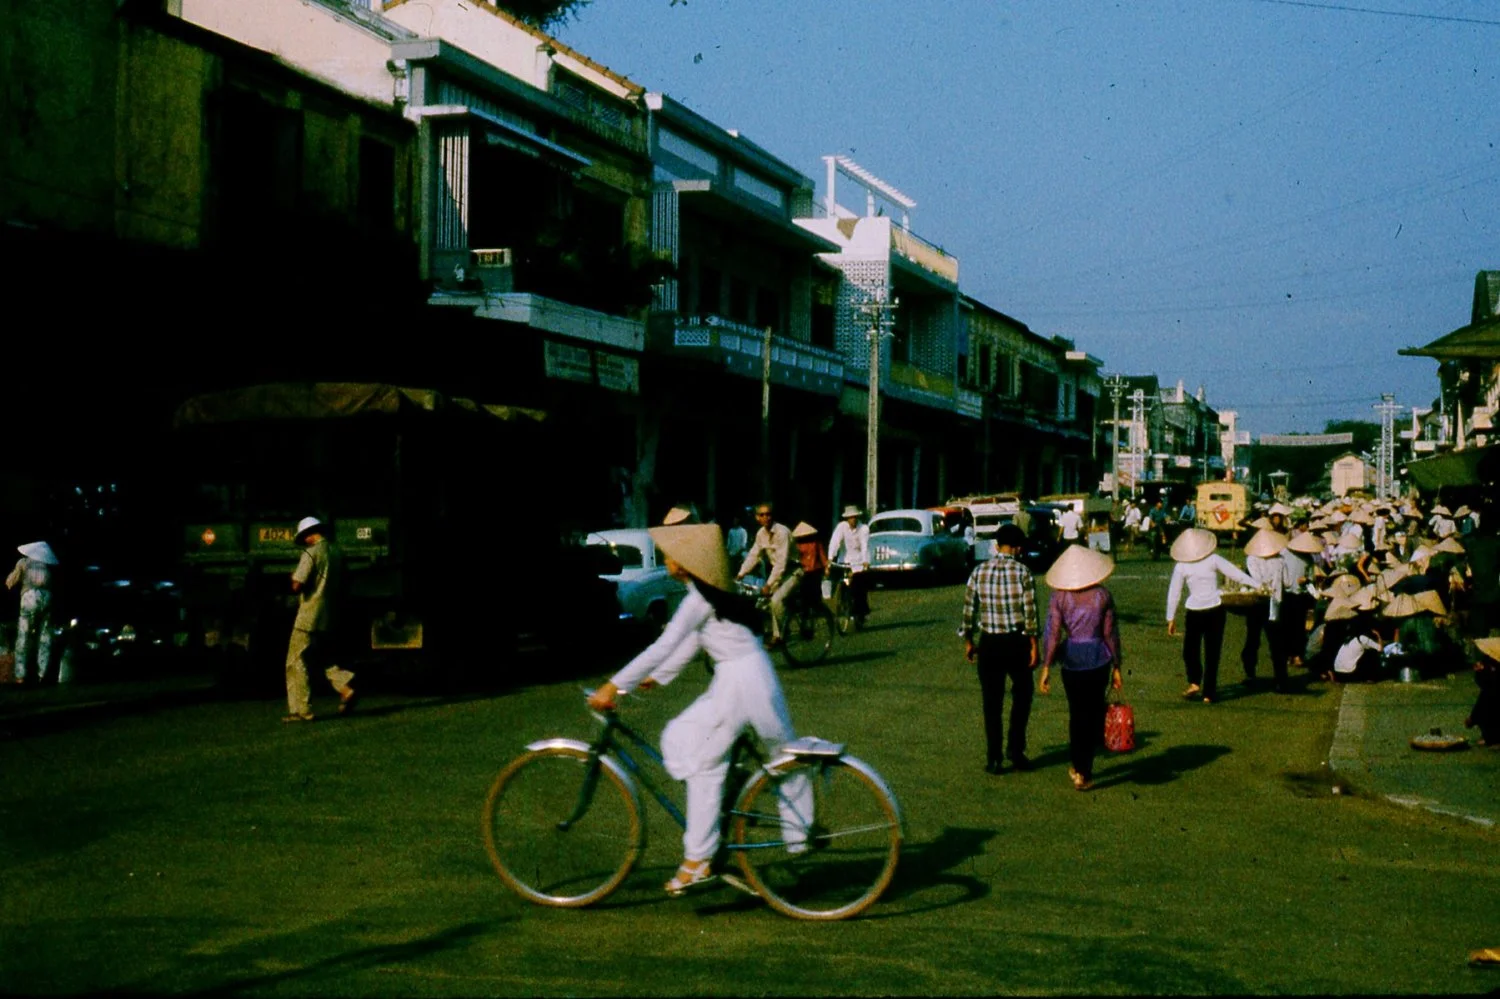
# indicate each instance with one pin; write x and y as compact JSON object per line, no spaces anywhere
{"x":1202,"y":640}
{"x":1085,"y":689}
{"x":1293,"y":624}
{"x":1002,"y":656}
{"x":1257,"y":622}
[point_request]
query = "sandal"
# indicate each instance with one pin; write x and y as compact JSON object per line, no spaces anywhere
{"x":304,"y":717}
{"x":1193,"y":690}
{"x":689,"y":874}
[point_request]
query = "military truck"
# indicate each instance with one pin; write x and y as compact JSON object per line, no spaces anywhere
{"x":452,"y":564}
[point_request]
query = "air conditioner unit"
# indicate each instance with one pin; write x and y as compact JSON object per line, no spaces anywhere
{"x":493,"y":268}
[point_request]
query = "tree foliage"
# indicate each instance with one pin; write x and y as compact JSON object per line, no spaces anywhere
{"x":543,"y":13}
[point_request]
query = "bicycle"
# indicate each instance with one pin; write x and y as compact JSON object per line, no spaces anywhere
{"x":563,"y":823}
{"x":844,"y":619}
{"x":806,"y":631}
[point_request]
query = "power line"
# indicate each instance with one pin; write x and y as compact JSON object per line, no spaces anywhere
{"x":1386,"y":13}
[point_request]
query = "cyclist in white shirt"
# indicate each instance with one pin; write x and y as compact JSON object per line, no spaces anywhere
{"x":850,"y":545}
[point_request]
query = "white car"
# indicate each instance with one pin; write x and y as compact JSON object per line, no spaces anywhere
{"x":646,"y":593}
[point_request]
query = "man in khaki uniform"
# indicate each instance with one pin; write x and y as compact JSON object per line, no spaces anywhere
{"x":315,"y":581}
{"x":774,"y":541}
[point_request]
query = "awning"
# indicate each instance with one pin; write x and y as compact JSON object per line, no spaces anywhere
{"x":1478,"y":341}
{"x":498,"y":131}
{"x":1469,"y":467}
{"x":719,"y":202}
{"x":332,"y":400}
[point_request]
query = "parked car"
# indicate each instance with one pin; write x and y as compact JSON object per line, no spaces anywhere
{"x":647,"y":594}
{"x":916,"y":543}
{"x":1042,"y":546}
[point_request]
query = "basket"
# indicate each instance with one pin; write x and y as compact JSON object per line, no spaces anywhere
{"x":1243,"y":601}
{"x":1437,"y":742}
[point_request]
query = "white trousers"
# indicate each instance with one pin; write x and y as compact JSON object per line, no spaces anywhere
{"x":34,"y":633}
{"x":695,"y":748}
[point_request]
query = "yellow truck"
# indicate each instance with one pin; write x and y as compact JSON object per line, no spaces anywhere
{"x":1222,"y":507}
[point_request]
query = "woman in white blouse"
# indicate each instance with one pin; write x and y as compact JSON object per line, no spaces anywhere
{"x":744,"y":693}
{"x":1199,"y":569}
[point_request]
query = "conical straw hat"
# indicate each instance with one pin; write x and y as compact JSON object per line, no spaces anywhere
{"x":1394,"y":575}
{"x":803,"y":530}
{"x":1450,"y":546}
{"x":1078,"y":568}
{"x":1401,"y":605}
{"x":1261,"y":523}
{"x":1194,"y":545}
{"x":698,"y":548}
{"x":1265,"y":544}
{"x":1339,"y":609}
{"x":1306,"y":543}
{"x":1489,"y":647}
{"x":1429,"y":600}
{"x":679,"y":515}
{"x":1362,"y":517}
{"x":1344,"y":586}
{"x":1280,"y":508}
{"x":38,"y":551}
{"x":1441,"y":510}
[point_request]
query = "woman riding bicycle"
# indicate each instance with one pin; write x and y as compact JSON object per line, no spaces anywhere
{"x":814,"y":559}
{"x":744,"y":693}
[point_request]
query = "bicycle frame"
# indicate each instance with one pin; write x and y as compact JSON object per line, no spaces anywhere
{"x":606,"y":744}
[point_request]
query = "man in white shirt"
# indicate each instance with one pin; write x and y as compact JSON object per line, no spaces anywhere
{"x":1070,"y":523}
{"x":850,"y":545}
{"x":775,"y":542}
{"x":1132,"y":526}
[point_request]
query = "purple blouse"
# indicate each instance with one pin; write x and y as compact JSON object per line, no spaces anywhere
{"x":1082,"y":631}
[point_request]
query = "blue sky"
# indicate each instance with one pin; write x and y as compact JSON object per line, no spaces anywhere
{"x":1262,"y":197}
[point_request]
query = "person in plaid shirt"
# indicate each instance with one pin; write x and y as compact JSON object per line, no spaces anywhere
{"x":999,"y":632}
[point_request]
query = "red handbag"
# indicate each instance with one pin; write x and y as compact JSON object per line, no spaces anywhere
{"x":1119,"y":728}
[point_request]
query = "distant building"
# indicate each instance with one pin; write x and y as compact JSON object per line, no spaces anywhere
{"x":1349,"y":473}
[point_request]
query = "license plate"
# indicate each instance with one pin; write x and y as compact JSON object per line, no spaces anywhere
{"x":277,"y":534}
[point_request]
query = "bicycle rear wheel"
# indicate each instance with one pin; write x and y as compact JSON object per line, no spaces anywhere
{"x":560,"y":830}
{"x":808,"y":635}
{"x":818,"y":839}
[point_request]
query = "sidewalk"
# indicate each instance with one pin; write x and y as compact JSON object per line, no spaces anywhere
{"x":1371,"y":750}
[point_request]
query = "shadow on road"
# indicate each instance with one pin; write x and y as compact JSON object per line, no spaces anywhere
{"x":925,"y":869}
{"x":1162,"y":768}
{"x":893,"y":625}
{"x":337,"y":967}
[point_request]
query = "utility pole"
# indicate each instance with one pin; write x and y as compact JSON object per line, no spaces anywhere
{"x":1116,"y":385}
{"x":878,"y":310}
{"x":1138,"y":442}
{"x":1385,"y":462}
{"x":765,"y":417}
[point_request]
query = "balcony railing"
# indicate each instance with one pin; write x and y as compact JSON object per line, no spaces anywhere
{"x":928,"y":256}
{"x":741,"y":348}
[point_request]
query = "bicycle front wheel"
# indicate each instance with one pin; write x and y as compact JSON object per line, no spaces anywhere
{"x":843,"y":609}
{"x":560,"y":829}
{"x":808,"y":635}
{"x":818,"y":839}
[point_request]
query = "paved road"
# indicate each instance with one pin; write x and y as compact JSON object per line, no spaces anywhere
{"x":184,"y":843}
